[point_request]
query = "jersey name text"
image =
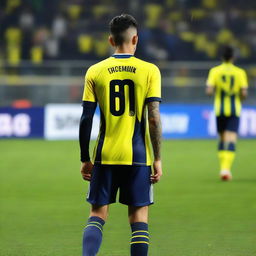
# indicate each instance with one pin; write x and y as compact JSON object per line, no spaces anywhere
{"x":115,"y":69}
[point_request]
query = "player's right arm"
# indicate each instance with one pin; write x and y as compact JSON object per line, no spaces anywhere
{"x":210,"y":84}
{"x":89,"y":106}
{"x":85,"y":128}
{"x":153,"y":98}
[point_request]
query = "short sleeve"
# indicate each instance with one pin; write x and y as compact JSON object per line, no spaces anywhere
{"x":211,"y":78}
{"x":244,"y":81}
{"x":89,"y":92}
{"x":154,"y":86}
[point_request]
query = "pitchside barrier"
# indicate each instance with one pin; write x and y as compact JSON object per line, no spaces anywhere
{"x":61,"y":122}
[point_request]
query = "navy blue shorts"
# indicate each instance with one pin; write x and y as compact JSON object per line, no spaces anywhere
{"x":133,"y":183}
{"x":230,"y":123}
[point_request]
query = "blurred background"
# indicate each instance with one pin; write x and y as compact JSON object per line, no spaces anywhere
{"x":46,"y":47}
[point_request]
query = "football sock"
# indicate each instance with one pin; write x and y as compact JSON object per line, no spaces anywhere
{"x":92,"y":236}
{"x":227,"y":156}
{"x":221,"y":145}
{"x":221,"y":154}
{"x":231,"y":146}
{"x":140,"y":239}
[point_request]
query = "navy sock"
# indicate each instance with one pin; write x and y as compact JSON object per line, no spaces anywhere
{"x":231,"y":146}
{"x":140,"y":239}
{"x":221,"y":145}
{"x":92,"y":236}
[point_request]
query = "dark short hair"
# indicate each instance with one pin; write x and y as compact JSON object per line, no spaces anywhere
{"x":120,"y":24}
{"x":227,"y":53}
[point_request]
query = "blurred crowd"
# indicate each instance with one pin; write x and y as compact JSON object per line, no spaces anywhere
{"x":39,"y":30}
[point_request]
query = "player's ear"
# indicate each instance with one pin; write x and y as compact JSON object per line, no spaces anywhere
{"x":135,"y":39}
{"x":111,"y":41}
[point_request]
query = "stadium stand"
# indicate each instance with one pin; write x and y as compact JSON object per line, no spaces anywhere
{"x":47,"y":45}
{"x":171,"y":29}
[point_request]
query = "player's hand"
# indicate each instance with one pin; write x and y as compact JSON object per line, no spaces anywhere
{"x":157,"y":171}
{"x":86,"y":170}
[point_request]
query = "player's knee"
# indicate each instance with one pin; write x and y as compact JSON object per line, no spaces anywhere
{"x":138,"y":214}
{"x":99,"y":211}
{"x":231,"y":137}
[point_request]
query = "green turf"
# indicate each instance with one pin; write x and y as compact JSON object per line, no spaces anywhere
{"x":43,"y":210}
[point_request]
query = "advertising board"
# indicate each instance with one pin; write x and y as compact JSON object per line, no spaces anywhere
{"x":22,"y":123}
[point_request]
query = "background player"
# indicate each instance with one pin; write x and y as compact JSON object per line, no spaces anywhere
{"x":229,"y":84}
{"x":128,"y":92}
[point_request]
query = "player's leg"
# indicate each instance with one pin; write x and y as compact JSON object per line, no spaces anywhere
{"x":138,"y":218}
{"x":221,"y":141}
{"x":221,"y":148}
{"x":136,"y":192}
{"x":230,"y":139}
{"x":221,"y":122}
{"x":102,"y":192}
{"x":92,"y":237}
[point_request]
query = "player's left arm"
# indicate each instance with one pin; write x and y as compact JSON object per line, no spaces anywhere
{"x":85,"y":127}
{"x":210,"y":84}
{"x":152,"y":100}
{"x":155,"y":130}
{"x":244,"y":86}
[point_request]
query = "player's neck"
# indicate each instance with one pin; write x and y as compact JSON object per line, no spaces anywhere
{"x":228,"y":62}
{"x":125,"y":49}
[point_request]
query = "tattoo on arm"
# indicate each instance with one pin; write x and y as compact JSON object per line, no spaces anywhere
{"x":155,"y":128}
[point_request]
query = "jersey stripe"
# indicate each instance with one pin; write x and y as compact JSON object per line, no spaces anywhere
{"x":101,"y":138}
{"x":217,"y":102}
{"x":138,"y":143}
{"x":222,"y":96}
{"x":227,"y":105}
{"x":233,"y":108}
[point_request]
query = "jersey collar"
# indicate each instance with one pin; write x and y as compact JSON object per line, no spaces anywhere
{"x":122,"y":55}
{"x":228,"y":64}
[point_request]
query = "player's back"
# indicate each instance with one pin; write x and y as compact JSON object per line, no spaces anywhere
{"x":228,"y":81}
{"x":121,"y":85}
{"x":229,"y":78}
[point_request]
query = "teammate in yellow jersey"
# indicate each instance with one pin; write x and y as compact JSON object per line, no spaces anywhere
{"x":128,"y":92}
{"x":229,"y":85}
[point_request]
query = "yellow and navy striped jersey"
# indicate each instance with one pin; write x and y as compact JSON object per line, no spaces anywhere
{"x":122,"y":85}
{"x":228,"y":80}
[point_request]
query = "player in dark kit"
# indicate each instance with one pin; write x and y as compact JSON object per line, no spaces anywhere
{"x":128,"y":92}
{"x":229,"y":84}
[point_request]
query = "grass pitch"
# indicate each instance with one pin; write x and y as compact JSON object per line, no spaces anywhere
{"x":195,"y":214}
